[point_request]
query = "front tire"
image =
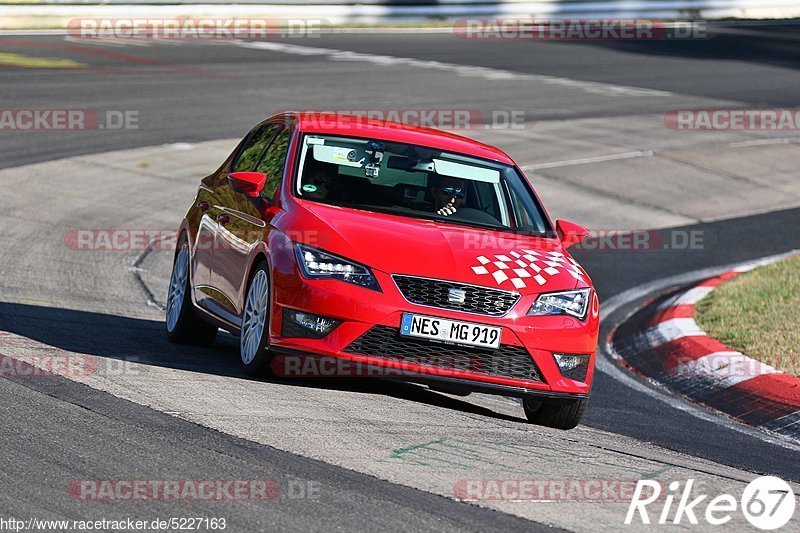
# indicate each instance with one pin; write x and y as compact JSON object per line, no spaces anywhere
{"x":555,"y":413}
{"x":183,"y":325}
{"x":254,"y":336}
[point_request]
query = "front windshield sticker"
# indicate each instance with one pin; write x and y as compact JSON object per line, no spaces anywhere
{"x":518,"y":266}
{"x":339,"y":155}
{"x":469,"y":172}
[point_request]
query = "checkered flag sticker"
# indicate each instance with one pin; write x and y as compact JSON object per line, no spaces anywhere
{"x":518,"y":266}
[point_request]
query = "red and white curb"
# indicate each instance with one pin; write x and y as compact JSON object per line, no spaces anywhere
{"x":674,"y":351}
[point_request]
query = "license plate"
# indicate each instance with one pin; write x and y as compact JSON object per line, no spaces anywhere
{"x":453,"y":331}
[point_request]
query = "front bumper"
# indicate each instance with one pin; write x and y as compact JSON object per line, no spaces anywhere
{"x":363,"y":312}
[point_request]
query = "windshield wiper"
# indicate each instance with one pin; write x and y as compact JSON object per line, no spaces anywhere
{"x":460,"y":222}
{"x":482,"y":225}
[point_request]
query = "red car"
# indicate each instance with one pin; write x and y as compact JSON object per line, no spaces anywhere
{"x":408,"y":251}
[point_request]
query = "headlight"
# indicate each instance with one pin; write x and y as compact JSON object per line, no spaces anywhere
{"x":316,"y":264}
{"x":572,"y":303}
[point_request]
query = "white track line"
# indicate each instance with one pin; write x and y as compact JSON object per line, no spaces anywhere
{"x":765,"y":142}
{"x":652,"y":153}
{"x":588,"y":160}
{"x":333,"y":54}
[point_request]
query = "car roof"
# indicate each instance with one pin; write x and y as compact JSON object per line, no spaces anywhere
{"x":360,"y":126}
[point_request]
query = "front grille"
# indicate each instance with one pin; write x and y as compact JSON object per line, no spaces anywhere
{"x":436,"y":293}
{"x":386,"y":342}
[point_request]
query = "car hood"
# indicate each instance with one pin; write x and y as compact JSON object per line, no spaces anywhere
{"x":402,"y":245}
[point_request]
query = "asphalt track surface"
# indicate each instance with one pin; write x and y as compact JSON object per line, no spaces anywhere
{"x":56,"y":430}
{"x":178,"y":89}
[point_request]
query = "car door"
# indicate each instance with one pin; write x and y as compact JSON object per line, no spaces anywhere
{"x":203,"y":252}
{"x":213,"y":197}
{"x":247,"y":220}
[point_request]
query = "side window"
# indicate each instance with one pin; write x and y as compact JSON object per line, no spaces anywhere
{"x":250,"y":155}
{"x":273,"y":161}
{"x":525,"y":211}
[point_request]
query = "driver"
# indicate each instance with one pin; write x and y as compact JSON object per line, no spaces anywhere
{"x":317,"y":182}
{"x":448,"y":193}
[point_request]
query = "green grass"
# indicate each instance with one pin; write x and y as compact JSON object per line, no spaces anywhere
{"x":758,"y":314}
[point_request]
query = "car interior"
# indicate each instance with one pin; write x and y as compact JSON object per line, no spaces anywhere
{"x":412,"y":194}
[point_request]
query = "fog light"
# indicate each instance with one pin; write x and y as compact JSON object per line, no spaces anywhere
{"x":306,"y":325}
{"x":572,"y":366}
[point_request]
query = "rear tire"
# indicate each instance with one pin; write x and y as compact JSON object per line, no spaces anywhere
{"x":182,"y":324}
{"x":555,"y":413}
{"x":254,"y":336}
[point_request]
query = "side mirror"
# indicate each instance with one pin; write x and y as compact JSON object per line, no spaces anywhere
{"x":570,"y":233}
{"x":248,"y":183}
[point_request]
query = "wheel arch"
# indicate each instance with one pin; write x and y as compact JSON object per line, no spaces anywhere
{"x":183,"y":229}
{"x":257,"y":256}
{"x":256,"y":259}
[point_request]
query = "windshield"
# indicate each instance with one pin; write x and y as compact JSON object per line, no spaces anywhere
{"x":416,"y":182}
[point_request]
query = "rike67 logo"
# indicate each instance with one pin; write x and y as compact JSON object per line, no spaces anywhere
{"x":767,"y":503}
